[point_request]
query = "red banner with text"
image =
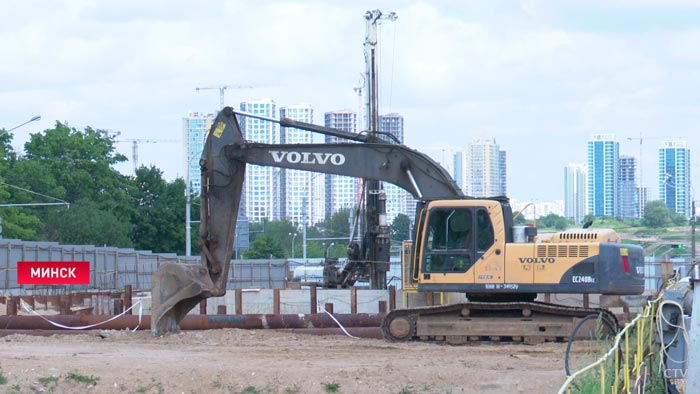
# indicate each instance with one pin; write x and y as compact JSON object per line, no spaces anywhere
{"x":53,"y":273}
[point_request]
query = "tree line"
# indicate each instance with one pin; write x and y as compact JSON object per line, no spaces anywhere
{"x":146,"y":212}
{"x":104,"y":207}
{"x":100,"y":206}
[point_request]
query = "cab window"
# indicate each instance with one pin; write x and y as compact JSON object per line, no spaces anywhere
{"x":484,"y":238}
{"x":449,"y":240}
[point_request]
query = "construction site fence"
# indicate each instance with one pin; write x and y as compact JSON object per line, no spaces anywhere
{"x":113,"y":268}
{"x":311,"y":300}
{"x":631,"y":365}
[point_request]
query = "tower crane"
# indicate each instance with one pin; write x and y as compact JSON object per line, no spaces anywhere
{"x":222,"y":88}
{"x":135,"y":147}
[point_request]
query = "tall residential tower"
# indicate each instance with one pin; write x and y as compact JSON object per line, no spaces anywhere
{"x":194,"y":129}
{"x":603,"y":175}
{"x":397,"y":200}
{"x":674,"y":176}
{"x":628,"y":197}
{"x":575,"y":192}
{"x":342,"y":192}
{"x":298,"y":192}
{"x":262,"y":185}
{"x":481,"y":170}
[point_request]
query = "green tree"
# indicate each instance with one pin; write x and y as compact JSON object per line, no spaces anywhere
{"x":16,"y":222}
{"x":281,"y":230}
{"x":678,"y":219}
{"x":264,"y":247}
{"x":656,"y":215}
{"x":338,"y":224}
{"x":81,"y":163}
{"x":74,"y":166}
{"x":86,"y":223}
{"x":160,"y":212}
{"x":553,"y":221}
{"x":400,"y":228}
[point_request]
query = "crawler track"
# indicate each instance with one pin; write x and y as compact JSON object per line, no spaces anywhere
{"x":529,"y":322}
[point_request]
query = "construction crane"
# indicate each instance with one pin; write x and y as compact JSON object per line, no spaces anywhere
{"x":135,"y":147}
{"x":222,"y":88}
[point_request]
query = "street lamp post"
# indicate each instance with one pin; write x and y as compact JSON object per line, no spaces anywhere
{"x":34,"y":119}
{"x":293,"y":238}
{"x":329,"y":247}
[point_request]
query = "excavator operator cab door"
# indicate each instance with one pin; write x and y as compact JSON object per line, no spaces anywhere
{"x":454,"y":239}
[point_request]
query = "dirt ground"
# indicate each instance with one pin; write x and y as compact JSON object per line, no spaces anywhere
{"x":266,"y":361}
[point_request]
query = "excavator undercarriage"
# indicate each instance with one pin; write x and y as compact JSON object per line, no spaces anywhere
{"x":527,"y":322}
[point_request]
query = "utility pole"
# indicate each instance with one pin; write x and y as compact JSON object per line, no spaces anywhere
{"x":692,"y":232}
{"x":692,"y":381}
{"x":377,"y":249}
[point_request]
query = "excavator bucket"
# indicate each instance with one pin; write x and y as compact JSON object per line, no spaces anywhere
{"x":177,"y":288}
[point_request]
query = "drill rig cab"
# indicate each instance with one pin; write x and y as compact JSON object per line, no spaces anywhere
{"x":462,"y":244}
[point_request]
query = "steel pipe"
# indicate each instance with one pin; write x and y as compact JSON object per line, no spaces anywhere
{"x":196,"y":322}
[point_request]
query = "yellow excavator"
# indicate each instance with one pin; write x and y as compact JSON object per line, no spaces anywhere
{"x":462,"y":244}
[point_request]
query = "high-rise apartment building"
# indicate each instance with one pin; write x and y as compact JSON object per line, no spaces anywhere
{"x":628,"y":197}
{"x":575,"y":192}
{"x":642,"y":199}
{"x":302,"y":198}
{"x":194,"y":129}
{"x":398,"y":200}
{"x":503,"y":171}
{"x":262,"y":197}
{"x":342,"y":192}
{"x":603,"y":175}
{"x":481,"y":170}
{"x":674,"y":176}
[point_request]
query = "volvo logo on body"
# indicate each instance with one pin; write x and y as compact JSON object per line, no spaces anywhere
{"x":337,"y":159}
{"x":536,"y":260}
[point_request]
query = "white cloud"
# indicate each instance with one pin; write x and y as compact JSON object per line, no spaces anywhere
{"x":515,"y":71}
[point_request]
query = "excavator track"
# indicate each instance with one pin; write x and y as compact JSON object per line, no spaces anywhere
{"x":528,"y":322}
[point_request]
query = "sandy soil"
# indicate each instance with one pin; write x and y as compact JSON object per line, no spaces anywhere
{"x":265,"y":361}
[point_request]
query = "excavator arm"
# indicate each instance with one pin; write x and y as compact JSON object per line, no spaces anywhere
{"x":177,"y":288}
{"x":396,"y":164}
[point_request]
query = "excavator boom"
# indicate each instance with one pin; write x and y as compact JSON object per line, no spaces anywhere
{"x":177,"y":288}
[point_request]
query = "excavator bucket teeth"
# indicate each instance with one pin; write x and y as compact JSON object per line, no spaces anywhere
{"x":177,"y":288}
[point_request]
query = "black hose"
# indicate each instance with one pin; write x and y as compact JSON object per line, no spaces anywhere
{"x":607,"y":322}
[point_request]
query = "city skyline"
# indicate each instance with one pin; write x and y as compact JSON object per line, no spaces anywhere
{"x":300,"y":196}
{"x":538,"y":76}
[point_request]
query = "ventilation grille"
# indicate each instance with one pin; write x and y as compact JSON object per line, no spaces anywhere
{"x":579,"y":236}
{"x":578,"y":251}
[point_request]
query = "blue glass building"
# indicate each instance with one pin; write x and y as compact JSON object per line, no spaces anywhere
{"x":603,"y":175}
{"x":674,"y":176}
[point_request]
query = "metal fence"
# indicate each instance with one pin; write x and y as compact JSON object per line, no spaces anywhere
{"x":113,"y":268}
{"x":627,"y":365}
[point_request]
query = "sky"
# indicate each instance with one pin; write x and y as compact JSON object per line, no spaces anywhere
{"x":539,"y":77}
